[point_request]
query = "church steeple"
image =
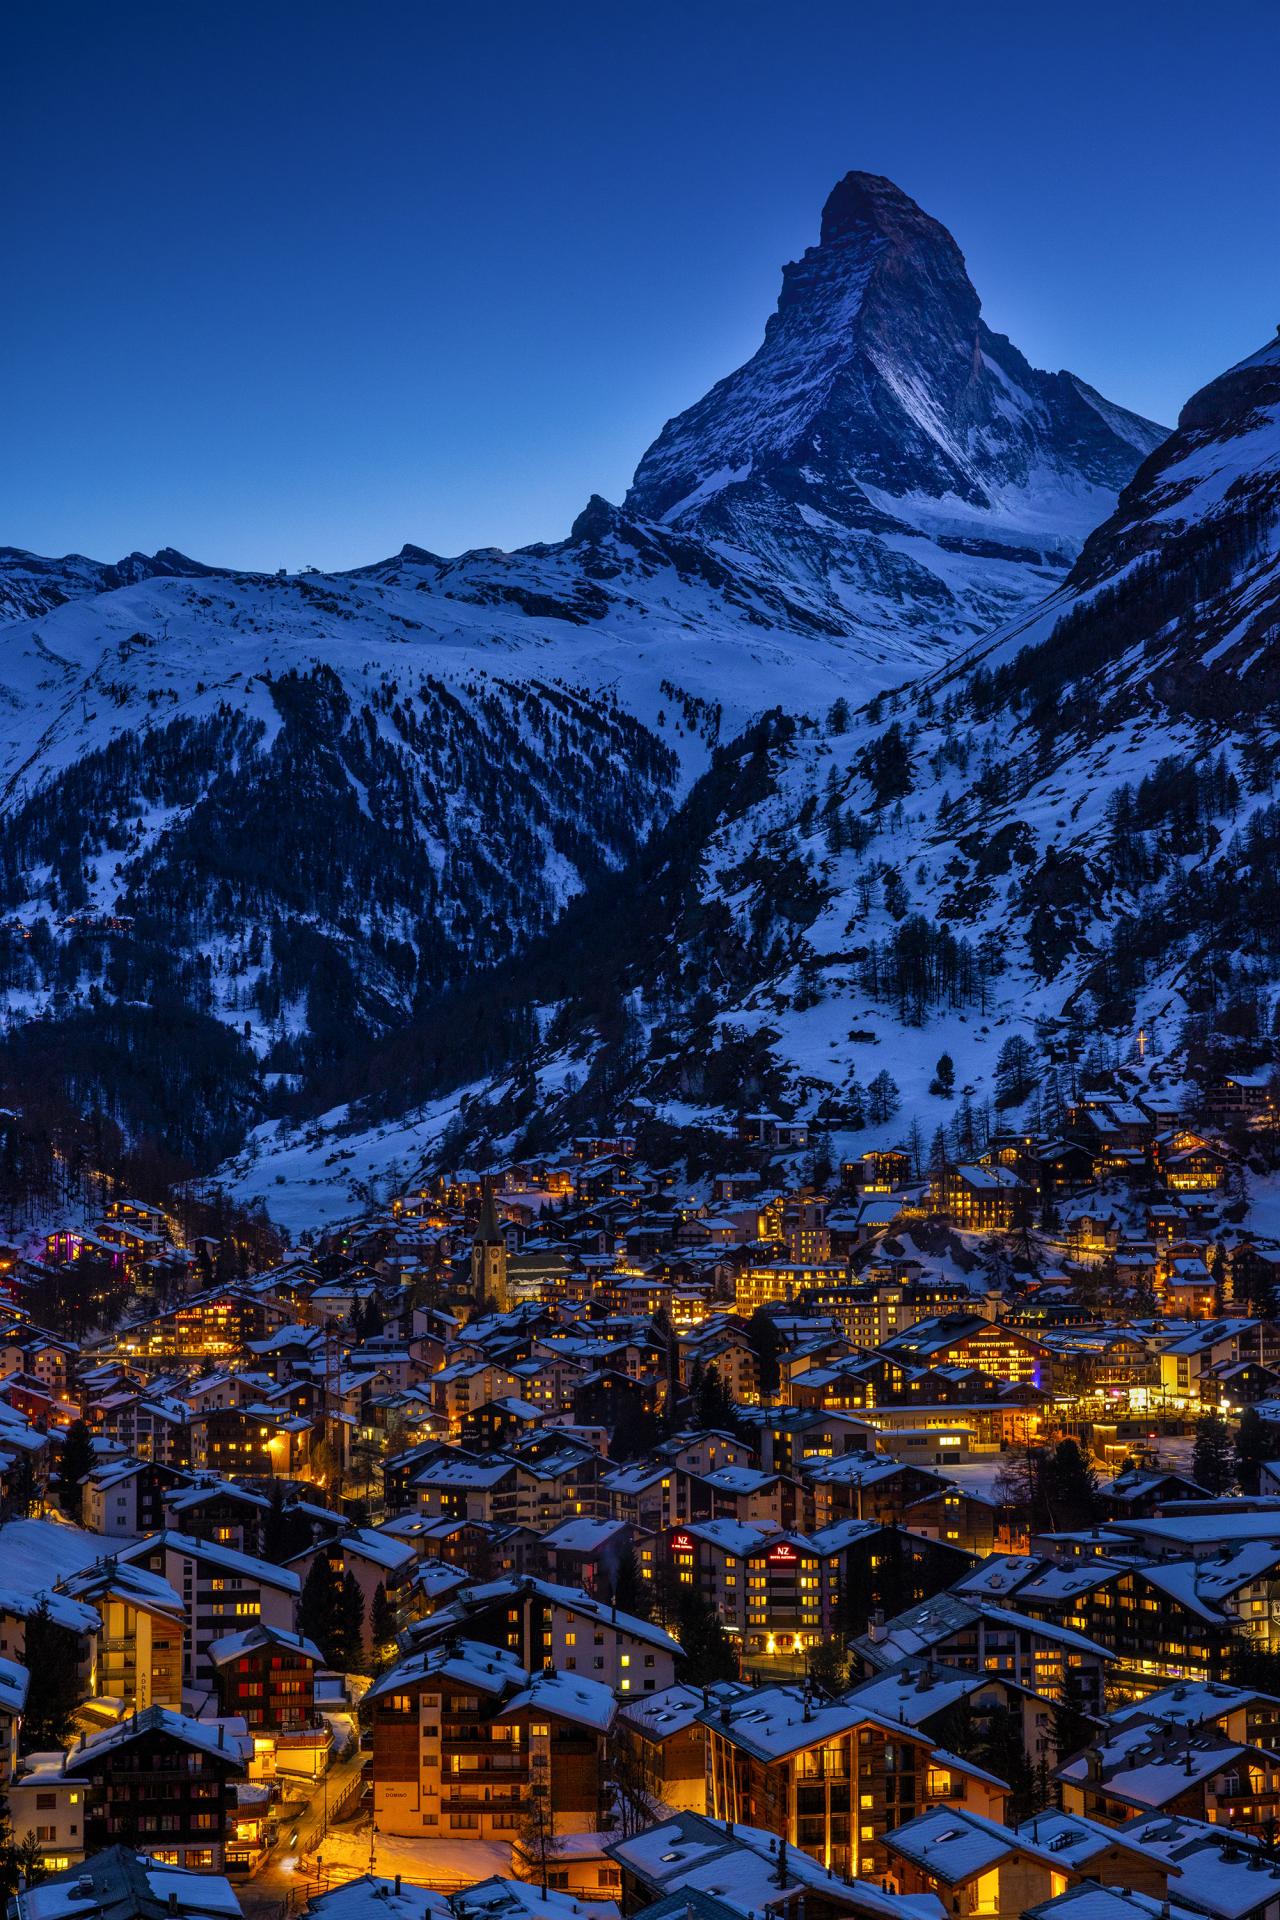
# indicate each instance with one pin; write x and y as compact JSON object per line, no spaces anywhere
{"x":489,"y":1257}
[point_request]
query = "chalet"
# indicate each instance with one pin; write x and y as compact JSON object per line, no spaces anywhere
{"x":1148,"y":1766}
{"x":266,"y":1676}
{"x":778,"y":1761}
{"x":868,"y":1487}
{"x":878,"y":1170}
{"x":666,"y":1741}
{"x":963,"y":1517}
{"x":998,"y":1351}
{"x":160,"y":1782}
{"x":771,"y":1131}
{"x":1243,"y":1096}
{"x":584,"y":1553}
{"x":117,"y":1884}
{"x":222,"y":1591}
{"x":462,"y":1732}
{"x":1216,"y":1871}
{"x":1090,"y":1850}
{"x":544,"y":1626}
{"x":977,"y":1636}
{"x":138,"y":1652}
{"x":218,"y":1511}
{"x":926,"y":1695}
{"x":715,"y":1870}
{"x":974,"y":1865}
{"x":738,"y":1493}
{"x":126,"y":1498}
{"x":1189,"y":1163}
{"x":979,"y":1199}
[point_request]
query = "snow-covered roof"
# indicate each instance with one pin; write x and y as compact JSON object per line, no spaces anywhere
{"x":954,"y":1845}
{"x":772,"y":1722}
{"x":370,"y":1898}
{"x":740,"y":1867}
{"x":565,"y":1696}
{"x":1089,"y":1901}
{"x":120,"y":1884}
{"x":1194,"y":1702}
{"x":13,"y":1686}
{"x":661,"y":1715}
{"x":230,"y":1646}
{"x":210,"y":1736}
{"x":1219,"y":1870}
{"x":217,"y":1555}
{"x":470,"y":1664}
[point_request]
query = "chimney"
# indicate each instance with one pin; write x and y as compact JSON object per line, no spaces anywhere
{"x":397,"y":1883}
{"x":173,"y":1901}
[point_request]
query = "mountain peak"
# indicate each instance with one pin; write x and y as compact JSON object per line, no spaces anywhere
{"x":884,"y":446}
{"x":865,"y":203}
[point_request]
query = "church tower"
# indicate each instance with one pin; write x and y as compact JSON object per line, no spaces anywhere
{"x":489,"y":1259}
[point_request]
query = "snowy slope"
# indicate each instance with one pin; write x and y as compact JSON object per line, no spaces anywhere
{"x":300,"y":810}
{"x":31,"y":584}
{"x":1070,"y":837}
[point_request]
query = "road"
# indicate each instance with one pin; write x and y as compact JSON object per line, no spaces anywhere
{"x":267,"y":1895}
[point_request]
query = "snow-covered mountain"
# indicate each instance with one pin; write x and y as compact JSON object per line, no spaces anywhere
{"x":885,"y":446}
{"x":256,"y":826}
{"x":31,"y":585}
{"x":1067,"y":838}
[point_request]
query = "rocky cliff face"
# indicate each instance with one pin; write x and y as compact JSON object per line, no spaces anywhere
{"x":885,"y":446}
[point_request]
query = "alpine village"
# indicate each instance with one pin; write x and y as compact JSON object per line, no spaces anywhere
{"x":693,"y":1333}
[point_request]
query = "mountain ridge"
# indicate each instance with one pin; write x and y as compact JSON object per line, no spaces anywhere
{"x":306,"y":809}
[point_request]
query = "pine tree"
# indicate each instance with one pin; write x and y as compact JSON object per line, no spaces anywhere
{"x":382,"y":1624}
{"x":76,"y":1462}
{"x":631,"y":1593}
{"x":320,"y":1612}
{"x":1003,"y":1752}
{"x":1256,"y":1443}
{"x":52,"y":1660}
{"x":766,"y":1344}
{"x":883,"y":1098}
{"x":1073,"y":1487}
{"x":943,"y":1082}
{"x":712,"y":1402}
{"x":707,"y":1653}
{"x":1072,"y":1726}
{"x":1212,"y":1461}
{"x":1015,"y":1072}
{"x":827,"y":1666}
{"x":538,"y":1840}
{"x":351,"y":1624}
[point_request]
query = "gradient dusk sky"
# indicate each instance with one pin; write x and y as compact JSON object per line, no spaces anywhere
{"x":296,"y":283}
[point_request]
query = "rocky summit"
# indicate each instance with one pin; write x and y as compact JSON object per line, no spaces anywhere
{"x":886,"y":445}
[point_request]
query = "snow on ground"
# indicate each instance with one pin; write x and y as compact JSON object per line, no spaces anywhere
{"x":1263,"y":1217}
{"x":426,"y":1861}
{"x":312,"y":1176}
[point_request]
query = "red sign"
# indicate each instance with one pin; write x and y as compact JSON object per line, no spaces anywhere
{"x":681,"y":1543}
{"x":781,"y":1552}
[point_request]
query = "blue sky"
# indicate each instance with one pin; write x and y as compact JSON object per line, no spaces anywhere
{"x":293,"y":284}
